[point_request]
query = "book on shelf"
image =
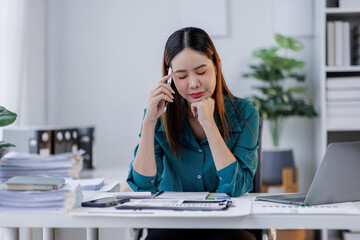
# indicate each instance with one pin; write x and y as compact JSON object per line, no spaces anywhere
{"x":338,"y":43}
{"x":343,"y":95}
{"x":346,"y":44}
{"x":344,"y":112}
{"x":343,"y":82}
{"x":357,"y":50}
{"x":338,"y":40}
{"x":332,"y":3}
{"x":356,"y":45}
{"x":342,"y":123}
{"x":342,"y":104}
{"x":34,"y":183}
{"x":330,"y":44}
{"x":357,"y":30}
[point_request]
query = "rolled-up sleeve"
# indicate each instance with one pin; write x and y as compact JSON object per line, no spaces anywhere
{"x":139,"y":182}
{"x":237,"y":178}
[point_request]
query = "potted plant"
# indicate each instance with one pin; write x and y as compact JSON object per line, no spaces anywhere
{"x":6,"y":118}
{"x":277,"y":102}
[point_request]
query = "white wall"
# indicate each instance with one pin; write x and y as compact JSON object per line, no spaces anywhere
{"x":105,"y":56}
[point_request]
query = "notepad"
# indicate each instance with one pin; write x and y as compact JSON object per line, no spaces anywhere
{"x":34,"y":183}
{"x":182,"y":195}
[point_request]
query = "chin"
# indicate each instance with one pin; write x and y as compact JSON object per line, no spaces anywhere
{"x":194,"y":100}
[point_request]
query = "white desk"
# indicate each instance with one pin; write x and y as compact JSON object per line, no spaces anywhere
{"x":264,"y":221}
{"x":288,"y":221}
{"x":13,"y":221}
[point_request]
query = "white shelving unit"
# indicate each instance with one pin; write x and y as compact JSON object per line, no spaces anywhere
{"x":331,"y":129}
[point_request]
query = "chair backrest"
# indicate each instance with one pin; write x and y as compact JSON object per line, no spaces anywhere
{"x":257,"y":181}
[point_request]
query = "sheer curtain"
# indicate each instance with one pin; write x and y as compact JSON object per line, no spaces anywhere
{"x":22,"y":59}
{"x":22,"y":65}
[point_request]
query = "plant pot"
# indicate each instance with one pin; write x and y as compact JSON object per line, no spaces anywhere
{"x":274,"y":160}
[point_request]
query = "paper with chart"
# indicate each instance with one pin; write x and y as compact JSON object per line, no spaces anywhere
{"x":262,"y":207}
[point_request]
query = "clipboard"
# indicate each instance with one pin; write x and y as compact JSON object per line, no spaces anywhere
{"x":173,"y":204}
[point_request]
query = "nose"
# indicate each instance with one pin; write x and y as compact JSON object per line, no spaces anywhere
{"x":194,"y":82}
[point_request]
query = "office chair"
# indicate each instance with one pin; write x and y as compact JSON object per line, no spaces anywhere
{"x":257,"y":181}
{"x":257,"y":188}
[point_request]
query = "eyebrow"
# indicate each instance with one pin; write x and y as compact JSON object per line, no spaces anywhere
{"x":202,"y":65}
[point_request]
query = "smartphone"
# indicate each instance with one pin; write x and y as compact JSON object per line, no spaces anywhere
{"x":168,"y":83}
{"x":103,"y":202}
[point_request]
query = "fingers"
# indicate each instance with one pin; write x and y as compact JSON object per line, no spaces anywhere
{"x":164,"y":97}
{"x":157,"y":100}
{"x":162,"y":90}
{"x":164,"y":85}
{"x":203,"y":110}
{"x":164,"y":79}
{"x":194,"y":110}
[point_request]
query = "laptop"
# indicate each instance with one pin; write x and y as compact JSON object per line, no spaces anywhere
{"x":336,"y":180}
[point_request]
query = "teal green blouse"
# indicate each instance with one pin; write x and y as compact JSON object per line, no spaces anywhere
{"x":194,"y":170}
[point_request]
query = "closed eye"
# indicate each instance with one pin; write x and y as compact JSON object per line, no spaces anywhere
{"x":183,"y":77}
{"x":201,"y":73}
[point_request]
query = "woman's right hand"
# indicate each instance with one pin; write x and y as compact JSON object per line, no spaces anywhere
{"x":157,"y":98}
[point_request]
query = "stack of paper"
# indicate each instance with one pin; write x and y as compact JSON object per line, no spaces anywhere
{"x":27,"y":164}
{"x":62,"y":200}
{"x":92,"y":184}
{"x":343,"y":101}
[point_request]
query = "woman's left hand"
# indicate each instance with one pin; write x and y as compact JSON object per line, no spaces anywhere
{"x":204,"y":111}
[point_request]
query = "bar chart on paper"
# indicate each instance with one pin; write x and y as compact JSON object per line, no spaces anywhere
{"x":262,"y":207}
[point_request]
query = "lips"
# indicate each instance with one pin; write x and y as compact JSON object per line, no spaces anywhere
{"x":197,"y":94}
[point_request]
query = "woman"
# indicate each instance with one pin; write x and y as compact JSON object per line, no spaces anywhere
{"x":206,"y":140}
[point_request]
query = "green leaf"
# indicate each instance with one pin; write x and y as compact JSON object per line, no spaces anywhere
{"x":285,"y":98}
{"x":264,"y":52}
{"x":289,"y":43}
{"x":283,"y":63}
{"x":6,"y":117}
{"x":300,"y":77}
{"x":296,"y":90}
{"x":295,"y":45}
{"x":300,"y":64}
{"x":282,"y":41}
{"x":5,"y":144}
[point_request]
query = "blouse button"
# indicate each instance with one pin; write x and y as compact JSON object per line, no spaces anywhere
{"x":199,"y":176}
{"x":152,"y":181}
{"x":200,"y":150}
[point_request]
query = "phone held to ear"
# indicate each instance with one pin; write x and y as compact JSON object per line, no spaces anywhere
{"x":168,"y":83}
{"x":104,"y":202}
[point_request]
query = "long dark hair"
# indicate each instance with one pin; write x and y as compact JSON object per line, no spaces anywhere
{"x":198,"y":40}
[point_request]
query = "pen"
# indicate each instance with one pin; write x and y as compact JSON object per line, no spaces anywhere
{"x":158,"y":194}
{"x":168,"y":83}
